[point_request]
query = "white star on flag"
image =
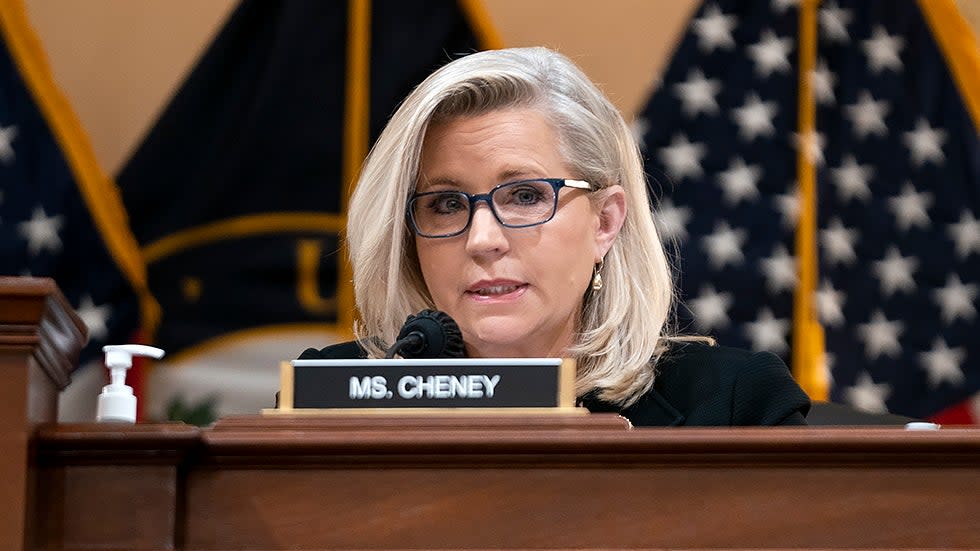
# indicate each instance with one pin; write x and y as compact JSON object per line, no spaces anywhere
{"x":780,"y":270}
{"x":823,"y":82}
{"x":883,"y":50}
{"x":830,"y":305}
{"x":780,"y":6}
{"x":740,"y":182}
{"x":697,"y":94}
{"x":942,"y":363}
{"x":966,"y":234}
{"x":910,"y":208}
{"x":710,"y":308}
{"x":867,"y":395}
{"x":868,"y":115}
{"x":41,"y":231}
{"x":895,"y":272}
{"x":771,"y":54}
{"x":880,"y":336}
{"x":834,"y":21}
{"x":7,"y":135}
{"x":851,"y":180}
{"x":754,"y":118}
{"x":683,"y":158}
{"x":96,"y":318}
{"x":838,"y":242}
{"x":925,"y":143}
{"x":672,"y":221}
{"x":955,"y":300}
{"x":768,"y":333}
{"x":639,"y":128}
{"x":724,"y":246}
{"x":714,"y":29}
{"x":788,"y":205}
{"x":827,"y":367}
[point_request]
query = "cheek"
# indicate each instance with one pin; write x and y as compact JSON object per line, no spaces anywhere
{"x":575,"y":246}
{"x":567,"y":265}
{"x":436,"y":267}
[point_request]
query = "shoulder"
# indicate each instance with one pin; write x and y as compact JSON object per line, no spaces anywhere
{"x":722,"y":385}
{"x":700,"y":366}
{"x":704,"y":362}
{"x":350,"y":350}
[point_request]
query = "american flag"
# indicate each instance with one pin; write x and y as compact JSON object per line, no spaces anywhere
{"x":50,"y":186}
{"x":897,"y":162}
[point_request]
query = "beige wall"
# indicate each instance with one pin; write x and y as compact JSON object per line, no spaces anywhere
{"x":621,"y":44}
{"x":120,"y":60}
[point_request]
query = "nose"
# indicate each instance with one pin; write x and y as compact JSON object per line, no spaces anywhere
{"x":486,"y":235}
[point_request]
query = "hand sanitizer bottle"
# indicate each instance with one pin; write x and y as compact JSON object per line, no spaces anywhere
{"x":117,"y":404}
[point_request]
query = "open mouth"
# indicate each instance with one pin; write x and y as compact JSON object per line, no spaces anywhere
{"x":496,"y":290}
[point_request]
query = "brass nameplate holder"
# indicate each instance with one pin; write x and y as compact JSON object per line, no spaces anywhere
{"x":486,"y":385}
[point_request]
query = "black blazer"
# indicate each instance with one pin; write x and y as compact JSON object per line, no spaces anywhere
{"x":696,"y":385}
{"x":702,"y":385}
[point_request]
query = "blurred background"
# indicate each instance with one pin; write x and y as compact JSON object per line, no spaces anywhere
{"x":99,"y":51}
{"x":206,"y":150}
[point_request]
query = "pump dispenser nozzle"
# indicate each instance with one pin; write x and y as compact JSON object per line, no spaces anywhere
{"x":117,"y":402}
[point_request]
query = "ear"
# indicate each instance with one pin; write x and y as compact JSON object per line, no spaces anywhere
{"x":611,"y":208}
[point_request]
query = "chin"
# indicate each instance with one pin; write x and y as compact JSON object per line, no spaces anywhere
{"x":501,"y":336}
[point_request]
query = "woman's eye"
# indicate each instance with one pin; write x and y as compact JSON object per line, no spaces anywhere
{"x":447,"y":204}
{"x":525,"y":196}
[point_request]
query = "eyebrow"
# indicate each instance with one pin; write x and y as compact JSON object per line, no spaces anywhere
{"x":427,"y":184}
{"x":503,"y":177}
{"x":513,"y":174}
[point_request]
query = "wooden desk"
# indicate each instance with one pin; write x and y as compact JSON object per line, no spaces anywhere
{"x":511,"y":483}
{"x":576,"y":482}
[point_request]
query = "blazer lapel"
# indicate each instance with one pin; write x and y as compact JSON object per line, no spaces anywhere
{"x":653,"y":410}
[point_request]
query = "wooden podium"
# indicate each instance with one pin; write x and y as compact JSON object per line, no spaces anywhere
{"x":468,"y":482}
{"x":40,"y":338}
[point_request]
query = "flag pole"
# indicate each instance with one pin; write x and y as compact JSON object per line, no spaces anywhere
{"x":808,"y":338}
{"x":356,"y":128}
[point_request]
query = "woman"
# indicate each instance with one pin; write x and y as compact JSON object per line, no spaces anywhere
{"x":508,"y":192}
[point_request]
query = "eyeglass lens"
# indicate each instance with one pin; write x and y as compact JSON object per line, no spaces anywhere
{"x":517,"y":204}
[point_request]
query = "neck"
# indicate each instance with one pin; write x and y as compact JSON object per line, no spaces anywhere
{"x":557,"y":348}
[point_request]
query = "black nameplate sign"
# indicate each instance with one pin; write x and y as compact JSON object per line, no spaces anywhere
{"x":440,"y":383}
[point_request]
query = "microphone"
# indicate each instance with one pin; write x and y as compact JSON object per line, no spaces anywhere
{"x":428,"y":334}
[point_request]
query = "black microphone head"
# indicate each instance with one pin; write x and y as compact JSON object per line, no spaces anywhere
{"x":441,"y":337}
{"x":310,"y":354}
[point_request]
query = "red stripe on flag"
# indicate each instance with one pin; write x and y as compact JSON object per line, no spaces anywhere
{"x":963,"y":413}
{"x":136,"y":376}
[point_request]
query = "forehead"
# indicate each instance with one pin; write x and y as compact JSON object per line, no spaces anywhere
{"x":491,"y":148}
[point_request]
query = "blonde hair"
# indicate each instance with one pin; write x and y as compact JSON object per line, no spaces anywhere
{"x":624,"y":326}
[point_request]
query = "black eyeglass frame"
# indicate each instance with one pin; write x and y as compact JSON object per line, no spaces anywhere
{"x":556,"y":184}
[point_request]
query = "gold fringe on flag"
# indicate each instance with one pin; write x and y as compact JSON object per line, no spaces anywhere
{"x":100,"y":194}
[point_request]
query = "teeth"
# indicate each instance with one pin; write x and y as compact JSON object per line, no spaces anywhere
{"x":497,"y":290}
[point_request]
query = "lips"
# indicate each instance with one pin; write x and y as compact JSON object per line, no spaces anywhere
{"x":494,"y":289}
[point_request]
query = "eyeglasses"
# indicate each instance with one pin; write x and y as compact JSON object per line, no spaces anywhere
{"x":514,"y":204}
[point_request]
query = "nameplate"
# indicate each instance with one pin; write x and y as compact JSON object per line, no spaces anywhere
{"x":399,"y":384}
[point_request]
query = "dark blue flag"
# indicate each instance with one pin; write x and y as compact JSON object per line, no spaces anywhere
{"x":238,"y":193}
{"x":897,"y":184}
{"x":60,"y":217}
